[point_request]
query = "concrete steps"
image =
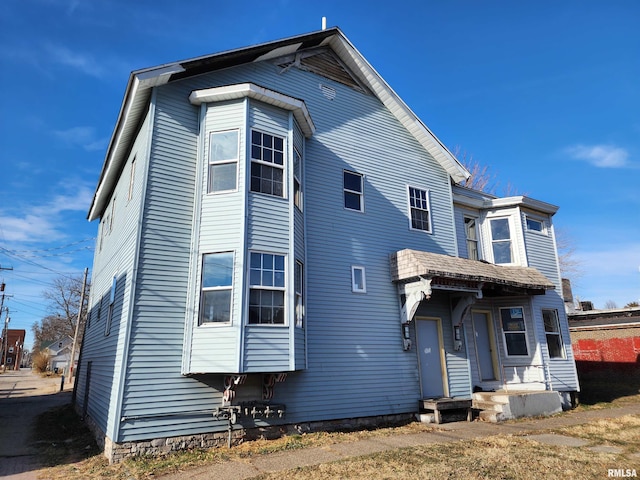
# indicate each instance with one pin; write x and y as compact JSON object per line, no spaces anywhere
{"x":501,"y":405}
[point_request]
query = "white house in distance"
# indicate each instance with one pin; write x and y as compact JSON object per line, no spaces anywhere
{"x":283,"y":242}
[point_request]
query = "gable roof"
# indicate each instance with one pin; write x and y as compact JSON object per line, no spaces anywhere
{"x":141,"y":83}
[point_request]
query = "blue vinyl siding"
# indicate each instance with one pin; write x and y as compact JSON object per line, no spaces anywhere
{"x":215,"y":348}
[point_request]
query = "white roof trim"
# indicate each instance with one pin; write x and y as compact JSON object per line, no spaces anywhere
{"x":251,"y":90}
{"x":358,"y":64}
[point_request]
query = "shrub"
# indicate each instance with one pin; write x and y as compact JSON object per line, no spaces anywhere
{"x":40,"y":361}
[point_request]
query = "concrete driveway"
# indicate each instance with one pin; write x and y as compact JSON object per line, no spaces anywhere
{"x":23,"y":396}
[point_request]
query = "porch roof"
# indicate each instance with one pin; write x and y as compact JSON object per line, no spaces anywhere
{"x":407,"y":265}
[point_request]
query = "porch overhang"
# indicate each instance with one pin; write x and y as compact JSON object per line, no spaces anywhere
{"x":445,"y":272}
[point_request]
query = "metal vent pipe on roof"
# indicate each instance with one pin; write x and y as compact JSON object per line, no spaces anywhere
{"x":324,"y":23}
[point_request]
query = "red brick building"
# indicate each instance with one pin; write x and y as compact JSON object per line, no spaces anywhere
{"x":12,"y":349}
{"x":606,"y":341}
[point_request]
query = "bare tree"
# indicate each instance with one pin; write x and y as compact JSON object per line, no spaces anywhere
{"x":610,"y":305}
{"x":570,"y":267}
{"x":63,"y":299}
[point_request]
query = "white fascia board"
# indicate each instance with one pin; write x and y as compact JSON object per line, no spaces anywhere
{"x":354,"y":60}
{"x":522,"y":201}
{"x":251,"y":90}
{"x":139,"y":81}
{"x":104,"y":184}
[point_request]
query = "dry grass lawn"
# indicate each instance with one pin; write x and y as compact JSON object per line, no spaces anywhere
{"x":496,"y":457}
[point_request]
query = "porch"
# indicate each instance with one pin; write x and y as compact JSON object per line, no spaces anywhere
{"x":509,"y":404}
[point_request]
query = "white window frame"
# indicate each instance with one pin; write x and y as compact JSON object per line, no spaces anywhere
{"x":216,"y":288}
{"x":298,"y":287}
{"x":271,"y":288}
{"x":413,"y":200}
{"x":266,"y":163}
{"x":112,"y":300}
{"x":499,"y":241}
{"x":533,"y":219}
{"x":557,"y":333}
{"x":514,"y":332}
{"x":348,"y":191}
{"x":358,"y":286}
{"x":476,"y":240}
{"x":297,"y":179}
{"x":211,"y":164}
{"x":132,"y":176}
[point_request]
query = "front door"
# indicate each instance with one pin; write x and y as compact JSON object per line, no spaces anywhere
{"x":431,"y":357}
{"x":485,"y":345}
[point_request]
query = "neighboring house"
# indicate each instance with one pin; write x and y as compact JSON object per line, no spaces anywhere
{"x":281,"y":242}
{"x":59,"y":352}
{"x":12,"y":348}
{"x":606,"y":342}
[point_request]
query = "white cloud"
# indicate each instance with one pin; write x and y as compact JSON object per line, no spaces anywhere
{"x":603,"y":156}
{"x":84,"y":63}
{"x":43,"y":223}
{"x":84,"y":137}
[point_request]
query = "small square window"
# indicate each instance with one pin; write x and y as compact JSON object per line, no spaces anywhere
{"x":358,"y":280}
{"x":535,"y":225}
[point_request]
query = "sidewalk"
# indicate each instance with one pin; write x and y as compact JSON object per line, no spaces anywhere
{"x":23,"y":396}
{"x":448,"y":432}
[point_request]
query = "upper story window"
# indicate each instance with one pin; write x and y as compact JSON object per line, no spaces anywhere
{"x":132,"y":178}
{"x":419,"y":207}
{"x":267,"y":163}
{"x":267,"y":288}
{"x":358,"y":280}
{"x":112,"y":301}
{"x":535,"y":225}
{"x":217,"y":288}
{"x":297,"y":175}
{"x":223,"y":161}
{"x":552,"y":332}
{"x":514,"y":330}
{"x":353,"y":186}
{"x":471,"y":233}
{"x":501,"y":240}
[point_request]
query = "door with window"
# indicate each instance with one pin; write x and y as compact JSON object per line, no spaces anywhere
{"x":433,"y":377}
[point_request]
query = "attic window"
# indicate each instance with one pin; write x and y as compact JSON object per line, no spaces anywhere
{"x":328,"y":92}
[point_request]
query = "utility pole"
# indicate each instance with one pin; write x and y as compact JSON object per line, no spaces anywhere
{"x":6,"y":323}
{"x":75,"y":336}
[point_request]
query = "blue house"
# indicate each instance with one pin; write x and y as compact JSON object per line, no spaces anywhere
{"x":282,"y":242}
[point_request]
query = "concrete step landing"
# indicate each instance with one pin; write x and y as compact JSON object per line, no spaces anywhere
{"x":501,"y":405}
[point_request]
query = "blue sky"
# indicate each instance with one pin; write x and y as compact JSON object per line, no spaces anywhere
{"x":545,"y":93}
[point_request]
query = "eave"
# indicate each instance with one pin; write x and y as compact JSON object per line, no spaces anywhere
{"x":141,"y":83}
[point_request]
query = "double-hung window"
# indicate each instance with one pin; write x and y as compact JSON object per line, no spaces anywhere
{"x":419,"y":207}
{"x":353,"y":191}
{"x":112,"y":301}
{"x":266,"y":288}
{"x":299,"y":286}
{"x":501,"y":240}
{"x":223,"y":161}
{"x":471,"y":233}
{"x":552,"y":332}
{"x":297,"y":175}
{"x":514,"y":331}
{"x":217,"y":288}
{"x":267,"y":164}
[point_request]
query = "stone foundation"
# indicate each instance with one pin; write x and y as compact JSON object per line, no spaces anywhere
{"x":117,"y":452}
